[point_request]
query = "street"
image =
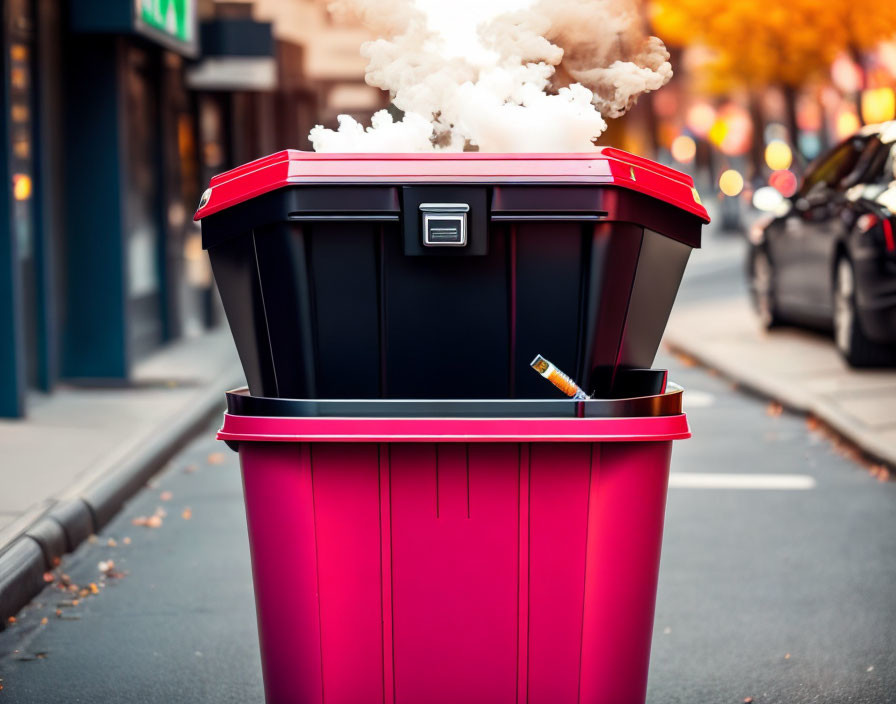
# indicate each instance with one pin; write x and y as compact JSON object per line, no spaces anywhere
{"x":776,"y":587}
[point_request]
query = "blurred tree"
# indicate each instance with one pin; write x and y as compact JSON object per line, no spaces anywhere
{"x":865,"y":25}
{"x":784,"y":43}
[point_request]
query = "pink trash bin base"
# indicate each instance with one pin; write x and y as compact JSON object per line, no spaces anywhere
{"x":455,"y":560}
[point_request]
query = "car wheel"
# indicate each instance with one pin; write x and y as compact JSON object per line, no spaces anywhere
{"x":856,"y":349}
{"x":762,"y":289}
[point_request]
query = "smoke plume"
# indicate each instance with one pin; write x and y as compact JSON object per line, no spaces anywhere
{"x":541,"y":79}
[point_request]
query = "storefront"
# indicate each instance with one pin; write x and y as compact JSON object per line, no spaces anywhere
{"x":20,"y":255}
{"x":130,"y":115}
{"x":100,"y":262}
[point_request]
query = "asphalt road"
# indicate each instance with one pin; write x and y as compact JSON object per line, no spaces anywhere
{"x":780,"y":594}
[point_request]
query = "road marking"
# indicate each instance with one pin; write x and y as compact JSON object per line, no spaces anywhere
{"x":710,"y":480}
{"x":697,"y":399}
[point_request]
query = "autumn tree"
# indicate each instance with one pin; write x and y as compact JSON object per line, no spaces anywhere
{"x":784,"y":43}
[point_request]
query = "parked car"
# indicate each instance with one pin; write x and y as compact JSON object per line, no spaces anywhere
{"x":826,"y":258}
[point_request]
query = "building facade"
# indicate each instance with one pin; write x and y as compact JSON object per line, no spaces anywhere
{"x":115,"y":115}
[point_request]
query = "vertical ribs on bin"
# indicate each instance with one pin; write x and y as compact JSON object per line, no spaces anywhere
{"x":330,"y":292}
{"x":446,"y":572}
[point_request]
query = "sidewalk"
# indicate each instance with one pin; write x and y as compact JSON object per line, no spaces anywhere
{"x":801,"y":370}
{"x":82,"y":452}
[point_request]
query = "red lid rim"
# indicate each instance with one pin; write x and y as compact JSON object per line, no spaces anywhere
{"x":612,"y":166}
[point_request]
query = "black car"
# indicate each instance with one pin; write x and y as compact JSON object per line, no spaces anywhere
{"x":827,"y":258}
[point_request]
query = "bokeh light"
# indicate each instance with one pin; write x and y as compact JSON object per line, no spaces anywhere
{"x":784,"y":182}
{"x":21,"y":186}
{"x":878,"y":105}
{"x":718,"y":132}
{"x":810,"y":144}
{"x":847,"y":123}
{"x":731,"y":183}
{"x":700,"y":119}
{"x":845,"y":74}
{"x":775,"y":130}
{"x":683,"y":149}
{"x":737,"y":132}
{"x":778,"y":155}
{"x":767,"y":199}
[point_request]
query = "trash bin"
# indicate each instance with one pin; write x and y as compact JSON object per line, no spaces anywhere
{"x":386,"y":275}
{"x":455,"y":551}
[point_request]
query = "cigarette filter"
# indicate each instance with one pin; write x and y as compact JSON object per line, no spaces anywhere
{"x":558,"y":378}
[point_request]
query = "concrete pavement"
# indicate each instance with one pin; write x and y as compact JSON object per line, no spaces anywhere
{"x":777,"y":591}
{"x":81,"y":452}
{"x":713,"y":324}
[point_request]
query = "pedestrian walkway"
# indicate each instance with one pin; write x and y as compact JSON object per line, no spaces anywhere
{"x":801,"y":370}
{"x":81,"y":452}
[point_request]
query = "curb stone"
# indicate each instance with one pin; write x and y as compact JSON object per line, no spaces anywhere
{"x":64,"y":527}
{"x":792,"y":397}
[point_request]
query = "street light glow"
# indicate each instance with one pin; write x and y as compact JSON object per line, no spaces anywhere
{"x":731,"y":183}
{"x":784,"y":182}
{"x":683,"y":149}
{"x":700,"y":119}
{"x":878,"y":105}
{"x":847,"y":123}
{"x":778,"y":155}
{"x":21,"y":186}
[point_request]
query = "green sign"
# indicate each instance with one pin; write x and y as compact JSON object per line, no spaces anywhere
{"x":174,"y":18}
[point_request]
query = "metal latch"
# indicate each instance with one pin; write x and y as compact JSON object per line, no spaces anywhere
{"x":444,"y":224}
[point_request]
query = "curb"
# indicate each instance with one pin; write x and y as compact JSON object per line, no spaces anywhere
{"x":794,"y":398}
{"x":67,"y":524}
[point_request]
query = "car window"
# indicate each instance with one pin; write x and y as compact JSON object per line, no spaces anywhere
{"x":888,"y":171}
{"x":831,"y":169}
{"x":869,"y":168}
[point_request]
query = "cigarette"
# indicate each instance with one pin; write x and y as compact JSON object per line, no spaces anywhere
{"x":558,"y":378}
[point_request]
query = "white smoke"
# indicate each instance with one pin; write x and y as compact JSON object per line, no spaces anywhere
{"x":539,"y":79}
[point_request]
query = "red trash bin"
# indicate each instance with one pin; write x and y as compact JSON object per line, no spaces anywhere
{"x":457,"y":559}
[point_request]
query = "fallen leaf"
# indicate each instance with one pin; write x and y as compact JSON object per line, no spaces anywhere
{"x":112,"y":543}
{"x":91,"y":538}
{"x":106,"y":566}
{"x":166,"y":496}
{"x":58,"y":612}
{"x":187,"y":514}
{"x":154,"y":521}
{"x":44,"y":621}
{"x":139,"y":521}
{"x":11,"y":620}
{"x":774,"y":409}
{"x":94,"y":589}
{"x":216,"y":458}
{"x":812,"y":423}
{"x":190,"y":468}
{"x":787,"y":656}
{"x":126,"y":541}
{"x":49,"y":577}
{"x":56,"y":561}
{"x":870,"y":668}
{"x":748,"y":700}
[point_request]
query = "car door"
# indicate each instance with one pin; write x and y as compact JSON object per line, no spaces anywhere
{"x":810,"y":233}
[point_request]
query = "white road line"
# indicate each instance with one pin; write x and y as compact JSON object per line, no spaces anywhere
{"x":710,"y":480}
{"x":697,"y":399}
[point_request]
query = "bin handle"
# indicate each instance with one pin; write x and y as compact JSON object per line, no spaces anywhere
{"x":344,"y":217}
{"x":548,"y":217}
